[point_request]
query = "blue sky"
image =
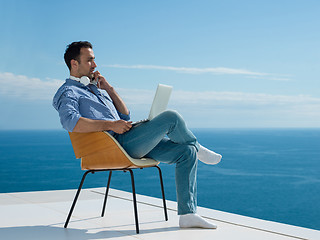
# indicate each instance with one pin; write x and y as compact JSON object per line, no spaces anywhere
{"x":233,"y":64}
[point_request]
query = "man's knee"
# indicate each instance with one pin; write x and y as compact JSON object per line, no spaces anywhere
{"x":190,"y":153}
{"x":171,"y":115}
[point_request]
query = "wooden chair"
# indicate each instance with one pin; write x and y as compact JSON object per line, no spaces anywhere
{"x":99,"y":151}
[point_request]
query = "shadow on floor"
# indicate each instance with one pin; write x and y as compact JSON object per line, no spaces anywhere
{"x":52,"y":232}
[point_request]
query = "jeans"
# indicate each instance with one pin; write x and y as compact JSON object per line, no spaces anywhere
{"x":167,"y":139}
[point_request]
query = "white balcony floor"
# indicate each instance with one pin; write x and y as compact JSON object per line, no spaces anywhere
{"x":41,"y":215}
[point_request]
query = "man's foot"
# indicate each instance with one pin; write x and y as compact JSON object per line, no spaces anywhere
{"x":207,"y":156}
{"x":193,"y":220}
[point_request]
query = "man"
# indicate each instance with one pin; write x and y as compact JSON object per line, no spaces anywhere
{"x":83,"y":107}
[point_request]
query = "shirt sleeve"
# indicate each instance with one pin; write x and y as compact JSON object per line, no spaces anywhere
{"x":124,"y":116}
{"x":121,"y":115}
{"x":68,"y":108}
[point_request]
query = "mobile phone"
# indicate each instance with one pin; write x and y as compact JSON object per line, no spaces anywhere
{"x":94,"y":81}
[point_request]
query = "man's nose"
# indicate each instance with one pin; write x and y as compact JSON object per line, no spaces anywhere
{"x":94,"y":64}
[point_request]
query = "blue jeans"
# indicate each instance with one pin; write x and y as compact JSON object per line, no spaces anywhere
{"x":167,"y":139}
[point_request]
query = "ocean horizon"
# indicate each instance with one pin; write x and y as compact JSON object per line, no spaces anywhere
{"x":266,"y":173}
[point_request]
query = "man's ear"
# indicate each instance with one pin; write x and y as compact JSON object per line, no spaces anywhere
{"x":74,"y":64}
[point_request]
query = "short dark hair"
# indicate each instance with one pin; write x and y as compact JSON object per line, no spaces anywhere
{"x":73,"y":51}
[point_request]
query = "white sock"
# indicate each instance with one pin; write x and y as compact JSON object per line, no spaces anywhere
{"x":207,"y":156}
{"x":193,"y":220}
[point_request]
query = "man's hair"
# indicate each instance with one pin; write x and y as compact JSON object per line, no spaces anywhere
{"x":73,"y":51}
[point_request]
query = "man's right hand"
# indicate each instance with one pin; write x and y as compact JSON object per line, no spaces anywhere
{"x":121,"y":126}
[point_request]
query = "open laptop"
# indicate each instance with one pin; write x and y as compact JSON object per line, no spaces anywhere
{"x":159,"y":104}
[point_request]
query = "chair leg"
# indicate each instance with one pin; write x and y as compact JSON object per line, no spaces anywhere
{"x":134,"y":201}
{"x":106,"y":195}
{"x":163,"y":197}
{"x":76,"y":198}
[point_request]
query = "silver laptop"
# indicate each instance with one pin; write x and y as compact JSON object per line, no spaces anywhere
{"x":159,"y":104}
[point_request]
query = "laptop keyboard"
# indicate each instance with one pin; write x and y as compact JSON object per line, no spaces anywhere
{"x":141,"y":121}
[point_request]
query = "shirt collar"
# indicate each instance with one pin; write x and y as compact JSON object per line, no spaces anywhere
{"x":75,"y":81}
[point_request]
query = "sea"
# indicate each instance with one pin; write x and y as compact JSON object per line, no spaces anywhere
{"x":270,"y":174}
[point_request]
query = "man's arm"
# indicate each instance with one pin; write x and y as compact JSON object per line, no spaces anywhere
{"x":119,"y":126}
{"x":68,"y":107}
{"x":116,"y":99}
{"x":89,"y":125}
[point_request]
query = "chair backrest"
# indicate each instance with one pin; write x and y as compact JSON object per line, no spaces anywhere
{"x":99,"y":150}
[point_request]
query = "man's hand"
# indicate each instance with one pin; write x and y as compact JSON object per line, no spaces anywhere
{"x":102,"y":82}
{"x":121,"y":126}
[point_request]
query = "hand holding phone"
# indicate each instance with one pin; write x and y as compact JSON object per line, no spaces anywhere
{"x":101,"y":82}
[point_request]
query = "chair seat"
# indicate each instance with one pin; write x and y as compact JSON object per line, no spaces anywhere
{"x":102,"y":160}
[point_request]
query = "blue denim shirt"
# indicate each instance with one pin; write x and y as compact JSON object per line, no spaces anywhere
{"x":74,"y":100}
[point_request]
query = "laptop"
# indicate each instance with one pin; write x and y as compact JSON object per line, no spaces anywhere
{"x":159,"y":104}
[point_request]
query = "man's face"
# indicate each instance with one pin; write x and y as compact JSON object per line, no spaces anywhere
{"x":87,"y":64}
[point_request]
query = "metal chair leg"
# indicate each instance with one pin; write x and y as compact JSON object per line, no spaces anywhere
{"x":76,"y":198}
{"x":106,"y":195}
{"x":134,"y":201}
{"x":107,"y":191}
{"x":163,"y":197}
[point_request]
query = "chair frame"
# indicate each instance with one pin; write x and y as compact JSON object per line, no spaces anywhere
{"x":107,"y":191}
